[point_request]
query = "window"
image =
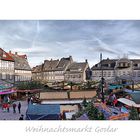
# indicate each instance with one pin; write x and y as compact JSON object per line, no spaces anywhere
{"x":136,"y":65}
{"x":3,"y":76}
{"x":104,"y":73}
{"x":121,"y":64}
{"x":109,"y":73}
{"x":134,"y":74}
{"x":138,"y":73}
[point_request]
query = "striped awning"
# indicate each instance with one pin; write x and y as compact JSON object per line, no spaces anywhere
{"x":7,"y":92}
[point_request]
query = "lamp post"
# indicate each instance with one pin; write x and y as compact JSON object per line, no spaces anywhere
{"x":102,"y":79}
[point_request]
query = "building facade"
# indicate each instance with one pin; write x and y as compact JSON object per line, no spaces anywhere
{"x":6,"y":66}
{"x":77,"y":72}
{"x":52,"y":70}
{"x":22,"y":69}
{"x":48,"y":72}
{"x":61,"y":70}
{"x":117,"y":68}
{"x":37,"y":74}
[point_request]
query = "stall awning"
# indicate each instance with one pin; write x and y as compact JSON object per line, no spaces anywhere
{"x":43,"y":112}
{"x":7,"y":92}
{"x":134,"y":94}
{"x":128,"y":102}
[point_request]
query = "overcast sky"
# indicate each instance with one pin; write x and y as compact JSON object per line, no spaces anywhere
{"x":46,"y":39}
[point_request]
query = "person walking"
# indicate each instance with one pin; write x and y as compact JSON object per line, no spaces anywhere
{"x":31,"y":99}
{"x":8,"y":107}
{"x":28,"y":100}
{"x":21,"y":117}
{"x":19,"y":107}
{"x":8,"y":100}
{"x":14,"y":108}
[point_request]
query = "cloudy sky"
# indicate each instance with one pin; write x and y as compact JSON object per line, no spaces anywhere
{"x":46,"y":39}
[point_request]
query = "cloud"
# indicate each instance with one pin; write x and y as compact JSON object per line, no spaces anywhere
{"x":133,"y":53}
{"x":44,"y":39}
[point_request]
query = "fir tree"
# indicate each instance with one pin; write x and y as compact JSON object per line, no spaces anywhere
{"x":84,"y":103}
{"x":133,"y":114}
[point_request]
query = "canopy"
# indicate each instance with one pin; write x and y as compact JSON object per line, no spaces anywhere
{"x":115,"y":86}
{"x":69,"y":114}
{"x":43,"y":112}
{"x":7,"y":92}
{"x":134,"y":94}
{"x":131,"y":91}
{"x":128,"y":102}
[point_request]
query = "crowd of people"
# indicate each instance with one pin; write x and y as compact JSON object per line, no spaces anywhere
{"x":6,"y":107}
{"x":10,"y":106}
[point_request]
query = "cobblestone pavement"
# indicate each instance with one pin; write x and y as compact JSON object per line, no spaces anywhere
{"x":4,"y":115}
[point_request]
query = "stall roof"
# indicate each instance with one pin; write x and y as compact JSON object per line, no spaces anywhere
{"x":43,"y":112}
{"x":40,"y":109}
{"x":128,"y":102}
{"x":83,"y":117}
{"x":62,"y":102}
{"x":7,"y":92}
{"x":135,"y":95}
{"x":115,"y":86}
{"x":131,"y":91}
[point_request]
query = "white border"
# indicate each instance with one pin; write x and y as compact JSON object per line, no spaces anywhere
{"x":69,"y":9}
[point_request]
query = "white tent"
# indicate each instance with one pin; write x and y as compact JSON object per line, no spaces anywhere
{"x":69,"y":114}
{"x":128,"y":102}
{"x":131,"y":91}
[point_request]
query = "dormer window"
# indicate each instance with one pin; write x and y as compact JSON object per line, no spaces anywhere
{"x":136,"y":65}
{"x":124,"y":64}
{"x":4,"y":55}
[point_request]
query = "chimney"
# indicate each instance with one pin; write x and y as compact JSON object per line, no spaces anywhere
{"x":16,"y":53}
{"x":71,"y":60}
{"x":86,"y":60}
{"x":10,"y":52}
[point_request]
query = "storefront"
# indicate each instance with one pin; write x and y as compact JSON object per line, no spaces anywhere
{"x":7,"y":95}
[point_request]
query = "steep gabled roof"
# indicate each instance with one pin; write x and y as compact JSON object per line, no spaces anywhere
{"x":64,"y":63}
{"x":50,"y":65}
{"x":5,"y":56}
{"x":105,"y":63}
{"x":21,"y":62}
{"x":77,"y":67}
{"x":37,"y":69}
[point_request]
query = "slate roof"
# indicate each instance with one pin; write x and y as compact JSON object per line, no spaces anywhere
{"x":112,"y":63}
{"x":56,"y":65}
{"x":5,"y":56}
{"x":105,"y":63}
{"x":63,"y":63}
{"x":77,"y":67}
{"x":21,"y":62}
{"x":50,"y":65}
{"x":38,"y":68}
{"x":124,"y":60}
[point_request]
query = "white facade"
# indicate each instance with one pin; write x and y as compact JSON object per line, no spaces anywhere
{"x":23,"y":75}
{"x":107,"y":74}
{"x":7,"y":70}
{"x":78,"y":75}
{"x":123,"y":68}
{"x":53,"y":76}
